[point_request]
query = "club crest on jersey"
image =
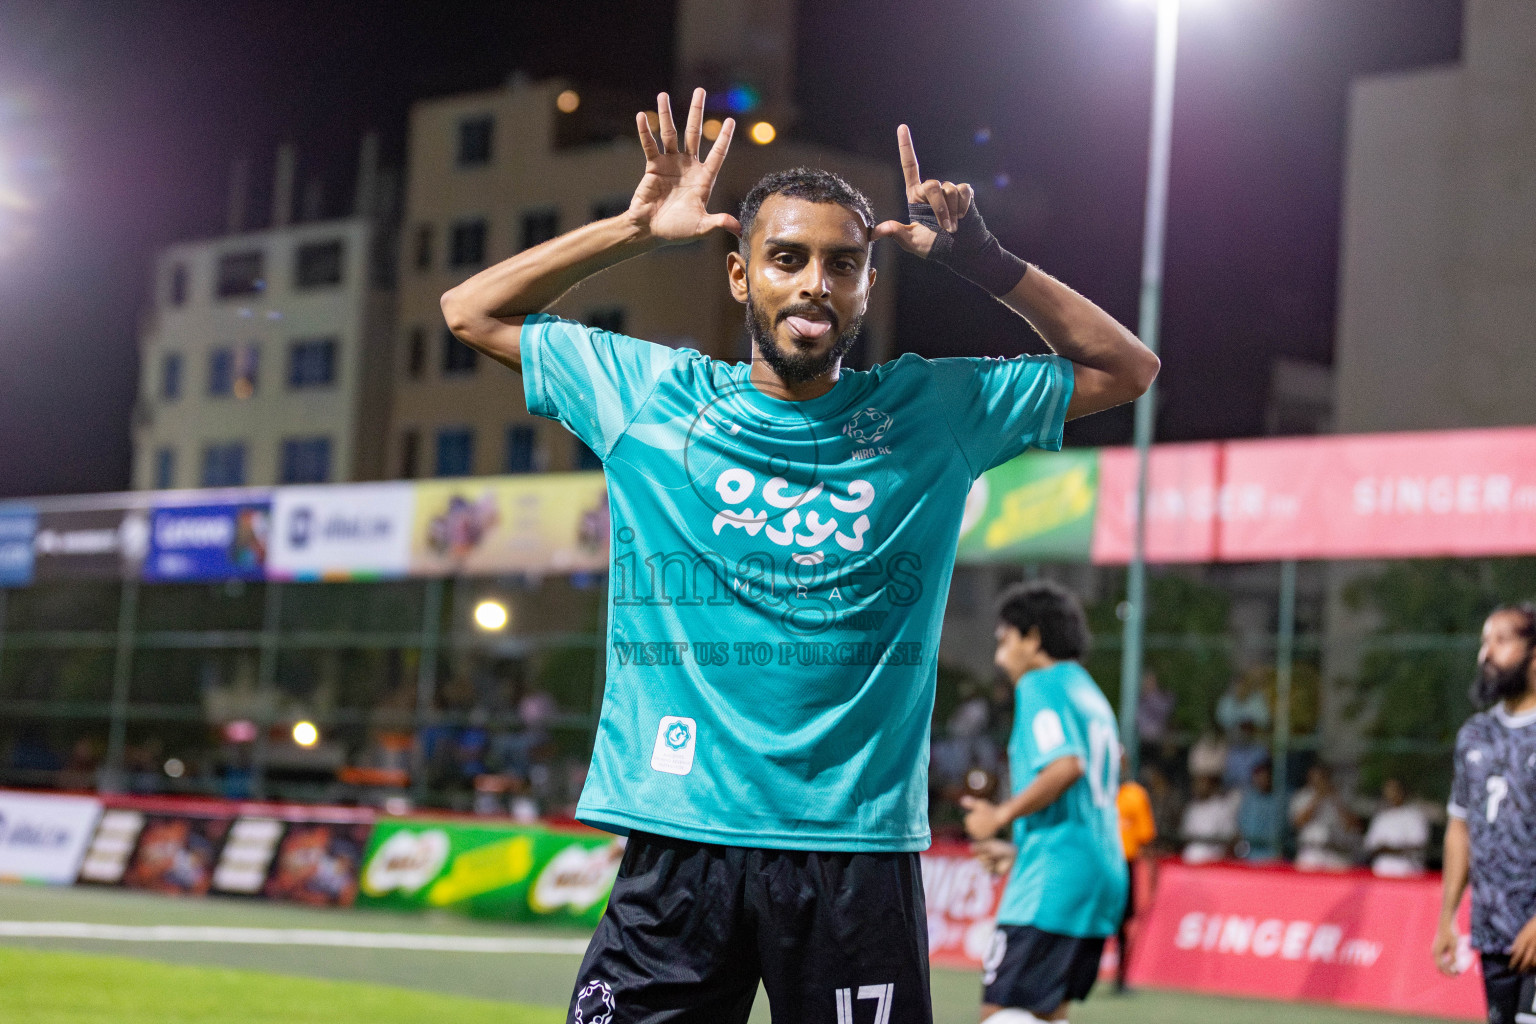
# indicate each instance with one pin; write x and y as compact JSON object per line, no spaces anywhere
{"x":866,"y":429}
{"x":594,"y":1004}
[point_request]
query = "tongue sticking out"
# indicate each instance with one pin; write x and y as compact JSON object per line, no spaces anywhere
{"x":808,"y":329}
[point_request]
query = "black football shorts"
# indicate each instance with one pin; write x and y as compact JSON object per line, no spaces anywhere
{"x":691,"y":928}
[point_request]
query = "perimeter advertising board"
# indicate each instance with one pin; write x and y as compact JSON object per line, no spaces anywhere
{"x":43,"y":836}
{"x":18,"y":527}
{"x":1351,"y":939}
{"x":208,"y":542}
{"x":550,"y":523}
{"x":1037,"y":508}
{"x":90,"y":544}
{"x":498,"y":870}
{"x":345,"y":532}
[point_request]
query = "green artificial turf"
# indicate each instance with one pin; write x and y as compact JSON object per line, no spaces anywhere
{"x":75,"y":988}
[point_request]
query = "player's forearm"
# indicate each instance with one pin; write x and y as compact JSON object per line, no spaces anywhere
{"x":1054,"y":779}
{"x":1077,"y":329}
{"x":528,"y":282}
{"x":1454,"y":872}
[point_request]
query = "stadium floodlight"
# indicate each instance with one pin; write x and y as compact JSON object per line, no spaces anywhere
{"x":491,"y":615}
{"x":1149,"y":317}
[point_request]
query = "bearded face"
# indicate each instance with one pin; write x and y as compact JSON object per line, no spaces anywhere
{"x":1495,"y":683}
{"x":792,"y":362}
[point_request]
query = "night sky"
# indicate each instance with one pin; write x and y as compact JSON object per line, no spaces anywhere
{"x":124,"y":117}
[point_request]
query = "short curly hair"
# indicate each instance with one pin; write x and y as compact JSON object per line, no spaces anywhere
{"x":809,"y":183}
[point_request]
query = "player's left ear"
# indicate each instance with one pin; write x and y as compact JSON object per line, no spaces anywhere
{"x":736,"y":275}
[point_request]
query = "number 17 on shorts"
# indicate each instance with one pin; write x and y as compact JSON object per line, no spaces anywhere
{"x":880,"y":994}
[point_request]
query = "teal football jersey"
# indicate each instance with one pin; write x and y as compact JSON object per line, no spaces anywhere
{"x":777,"y":579}
{"x":1070,"y":874}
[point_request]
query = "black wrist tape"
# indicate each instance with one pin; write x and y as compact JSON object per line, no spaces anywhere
{"x":971,"y":250}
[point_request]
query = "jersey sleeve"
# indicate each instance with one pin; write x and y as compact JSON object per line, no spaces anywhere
{"x":593,"y":381}
{"x":998,"y":408}
{"x":1050,"y":732}
{"x":1461,"y":795}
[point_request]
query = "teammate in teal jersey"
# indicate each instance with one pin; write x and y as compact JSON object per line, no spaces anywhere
{"x":783,"y":534}
{"x":1066,"y":889}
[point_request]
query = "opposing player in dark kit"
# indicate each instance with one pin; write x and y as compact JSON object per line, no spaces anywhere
{"x":783,"y":534}
{"x":1491,"y":835}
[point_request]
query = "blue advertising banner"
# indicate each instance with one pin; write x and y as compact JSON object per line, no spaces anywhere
{"x":18,"y":527}
{"x":208,"y":542}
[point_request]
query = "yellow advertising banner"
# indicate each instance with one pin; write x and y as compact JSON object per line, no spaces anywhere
{"x":545,"y":523}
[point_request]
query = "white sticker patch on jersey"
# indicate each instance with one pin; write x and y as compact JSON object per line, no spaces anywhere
{"x":1048,"y":731}
{"x":675,"y":741}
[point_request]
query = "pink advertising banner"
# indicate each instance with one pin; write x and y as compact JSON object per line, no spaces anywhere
{"x":1420,"y":495}
{"x":1350,"y":939}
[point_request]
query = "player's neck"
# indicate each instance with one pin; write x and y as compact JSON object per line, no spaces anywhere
{"x":1522,"y":704}
{"x":771,"y":384}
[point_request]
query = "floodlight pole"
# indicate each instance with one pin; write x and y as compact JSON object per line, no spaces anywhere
{"x":1131,"y":654}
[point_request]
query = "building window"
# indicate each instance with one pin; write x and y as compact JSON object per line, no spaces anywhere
{"x":609,"y":318}
{"x":247,"y":370}
{"x":165,"y":469}
{"x":520,"y":442}
{"x":170,"y":376}
{"x":458,"y":358}
{"x":305,"y":460}
{"x":610,"y":207}
{"x":466,"y":247}
{"x":410,"y":454}
{"x":540,"y":226}
{"x":221,"y":372}
{"x":318,"y":264}
{"x":586,"y":458}
{"x":179,"y":284}
{"x":416,"y":353}
{"x":455,"y":451}
{"x":240,"y":273}
{"x":224,"y":465}
{"x":475,"y":140}
{"x":312,"y":363}
{"x":423,"y":258}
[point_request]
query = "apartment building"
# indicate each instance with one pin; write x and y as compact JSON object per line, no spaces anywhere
{"x":265,"y":354}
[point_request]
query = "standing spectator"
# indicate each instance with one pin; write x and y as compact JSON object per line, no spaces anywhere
{"x":1154,"y":710}
{"x":1326,"y":829}
{"x":1167,"y":807}
{"x":1137,"y":829}
{"x":1245,"y":752}
{"x":1209,"y":827}
{"x":1244,"y":702}
{"x":1492,"y":817}
{"x":1258,"y":816}
{"x":1398,"y":834}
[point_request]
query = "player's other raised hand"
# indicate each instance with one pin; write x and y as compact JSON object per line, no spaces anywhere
{"x":671,"y":203}
{"x":950,"y":202}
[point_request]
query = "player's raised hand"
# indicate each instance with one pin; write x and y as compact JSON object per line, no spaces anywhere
{"x":949,"y":201}
{"x":672,"y":200}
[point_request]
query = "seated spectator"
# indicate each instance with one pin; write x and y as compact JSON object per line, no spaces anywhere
{"x":1245,"y":702}
{"x":1208,"y":756}
{"x":1258,"y":816}
{"x":1245,"y":752}
{"x":1398,"y":834}
{"x":1209,"y":827}
{"x":1326,"y":829}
